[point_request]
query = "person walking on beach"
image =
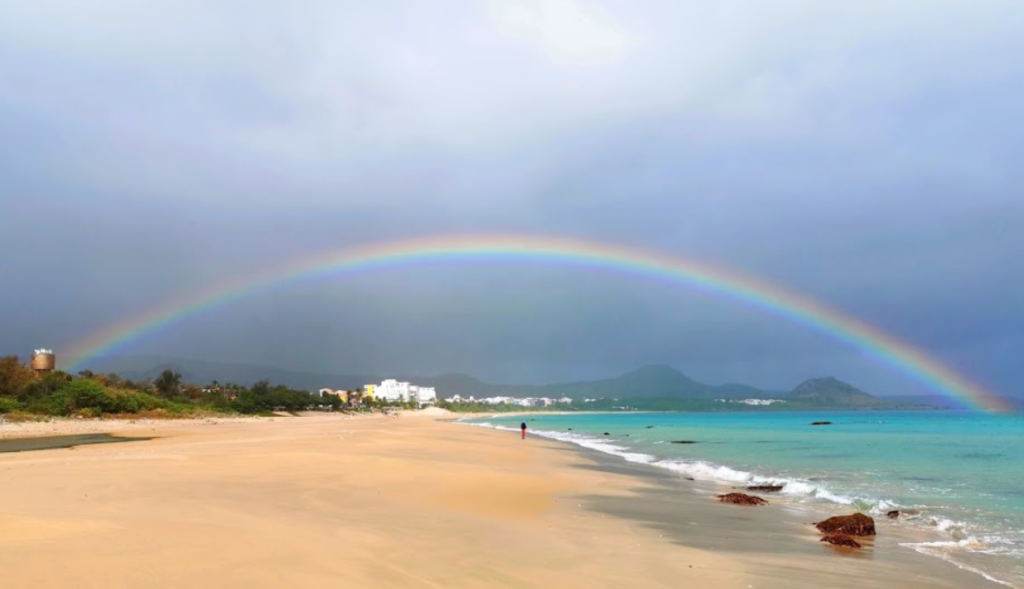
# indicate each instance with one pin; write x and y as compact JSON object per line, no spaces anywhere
{"x":522,"y":428}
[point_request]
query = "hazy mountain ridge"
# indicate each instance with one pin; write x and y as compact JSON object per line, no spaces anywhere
{"x":654,"y":381}
{"x":831,"y":391}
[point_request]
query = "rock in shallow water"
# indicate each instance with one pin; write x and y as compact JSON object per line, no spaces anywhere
{"x":857,"y":524}
{"x":841,"y":540}
{"x":741,"y":499}
{"x":766,"y":488}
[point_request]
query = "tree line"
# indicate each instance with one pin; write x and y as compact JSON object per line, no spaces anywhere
{"x":87,"y":394}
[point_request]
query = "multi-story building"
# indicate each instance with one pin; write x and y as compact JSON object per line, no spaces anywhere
{"x":423,"y":395}
{"x":392,"y":390}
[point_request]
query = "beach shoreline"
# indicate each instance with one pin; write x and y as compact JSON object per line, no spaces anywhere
{"x":777,"y":541}
{"x":327,"y":500}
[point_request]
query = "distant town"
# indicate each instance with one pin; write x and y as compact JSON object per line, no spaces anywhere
{"x":391,"y":390}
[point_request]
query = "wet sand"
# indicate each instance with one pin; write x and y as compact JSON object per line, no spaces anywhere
{"x":778,"y":543}
{"x":330,"y":501}
{"x":27,"y":444}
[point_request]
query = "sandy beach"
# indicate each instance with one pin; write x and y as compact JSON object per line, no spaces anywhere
{"x":332,"y":501}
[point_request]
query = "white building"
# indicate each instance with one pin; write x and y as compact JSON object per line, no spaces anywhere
{"x":393,"y":391}
{"x":423,"y":395}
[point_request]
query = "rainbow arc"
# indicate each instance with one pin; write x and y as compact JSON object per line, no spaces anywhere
{"x":716,"y":281}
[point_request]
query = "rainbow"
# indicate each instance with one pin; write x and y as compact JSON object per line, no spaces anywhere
{"x":713,"y":280}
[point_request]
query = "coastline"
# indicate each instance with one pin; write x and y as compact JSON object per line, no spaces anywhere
{"x":778,"y":543}
{"x":903,"y":543}
{"x":327,"y":500}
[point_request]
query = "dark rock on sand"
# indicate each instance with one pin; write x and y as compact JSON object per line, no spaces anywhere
{"x":741,"y":499}
{"x":822,"y":423}
{"x":841,"y":540}
{"x":893,"y":514}
{"x":857,"y":524}
{"x":766,"y":488}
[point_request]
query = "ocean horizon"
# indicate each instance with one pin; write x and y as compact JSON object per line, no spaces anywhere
{"x":956,"y":478}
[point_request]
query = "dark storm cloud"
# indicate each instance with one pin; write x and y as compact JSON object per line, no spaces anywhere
{"x":865,"y":155}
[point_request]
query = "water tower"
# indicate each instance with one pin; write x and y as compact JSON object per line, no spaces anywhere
{"x":43,"y":362}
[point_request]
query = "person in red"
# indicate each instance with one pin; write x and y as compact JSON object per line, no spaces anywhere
{"x":522,"y":427}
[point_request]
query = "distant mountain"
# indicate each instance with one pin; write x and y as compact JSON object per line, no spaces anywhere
{"x":465,"y":385}
{"x":648,"y":382}
{"x":655,"y":381}
{"x":832,"y":392}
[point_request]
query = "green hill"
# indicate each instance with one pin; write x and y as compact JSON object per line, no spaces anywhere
{"x":832,"y":392}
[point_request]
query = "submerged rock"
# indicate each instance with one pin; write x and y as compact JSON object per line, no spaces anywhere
{"x":857,"y":524}
{"x":894,"y":514}
{"x":741,"y":499}
{"x":766,"y":488}
{"x":841,"y":540}
{"x":821,"y":423}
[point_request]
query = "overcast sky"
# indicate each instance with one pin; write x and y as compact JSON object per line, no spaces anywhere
{"x":867,"y":154}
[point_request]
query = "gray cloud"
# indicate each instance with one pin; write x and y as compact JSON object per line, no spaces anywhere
{"x":865,"y":155}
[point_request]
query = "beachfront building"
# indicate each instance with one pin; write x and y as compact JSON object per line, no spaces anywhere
{"x":393,"y":391}
{"x":423,"y":395}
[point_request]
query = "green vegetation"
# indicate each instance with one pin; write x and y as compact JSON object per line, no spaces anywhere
{"x":93,"y":395}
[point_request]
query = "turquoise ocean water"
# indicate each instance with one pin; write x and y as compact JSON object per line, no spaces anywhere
{"x":958,"y":477}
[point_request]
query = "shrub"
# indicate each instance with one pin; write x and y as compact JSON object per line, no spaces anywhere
{"x":75,"y":396}
{"x":9,"y":405}
{"x":125,"y":401}
{"x":54,"y":404}
{"x":88,"y":394}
